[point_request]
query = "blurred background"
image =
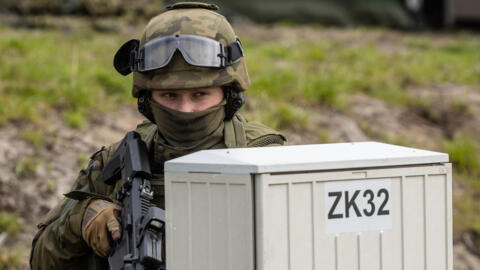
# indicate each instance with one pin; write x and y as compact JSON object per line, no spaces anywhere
{"x":405,"y":72}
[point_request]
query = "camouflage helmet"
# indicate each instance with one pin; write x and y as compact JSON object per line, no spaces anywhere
{"x":190,"y":18}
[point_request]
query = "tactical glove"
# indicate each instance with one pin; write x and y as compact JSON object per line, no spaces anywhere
{"x":100,"y":226}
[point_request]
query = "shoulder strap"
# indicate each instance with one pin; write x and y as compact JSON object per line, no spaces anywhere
{"x":234,"y":133}
{"x":240,"y":133}
{"x":147,"y":131}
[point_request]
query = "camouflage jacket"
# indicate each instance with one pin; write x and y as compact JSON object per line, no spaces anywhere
{"x":59,"y":244}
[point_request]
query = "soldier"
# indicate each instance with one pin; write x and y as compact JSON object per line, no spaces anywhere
{"x":189,"y":75}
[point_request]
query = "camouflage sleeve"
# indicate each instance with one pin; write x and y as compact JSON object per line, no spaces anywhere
{"x":59,"y":244}
{"x":267,"y":140}
{"x":259,"y":135}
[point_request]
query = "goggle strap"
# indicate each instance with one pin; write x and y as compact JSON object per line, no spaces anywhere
{"x":134,"y":60}
{"x":235,"y":50}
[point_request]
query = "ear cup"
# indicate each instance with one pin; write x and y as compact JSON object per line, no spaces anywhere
{"x":144,"y":106}
{"x":235,"y":100}
{"x":125,"y":57}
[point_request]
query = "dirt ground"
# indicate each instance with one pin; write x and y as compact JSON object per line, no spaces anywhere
{"x":65,"y":150}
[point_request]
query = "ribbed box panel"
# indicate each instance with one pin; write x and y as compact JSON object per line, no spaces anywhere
{"x":209,"y":221}
{"x":291,"y":222}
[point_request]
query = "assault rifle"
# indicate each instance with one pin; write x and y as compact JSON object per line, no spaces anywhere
{"x":143,"y":225}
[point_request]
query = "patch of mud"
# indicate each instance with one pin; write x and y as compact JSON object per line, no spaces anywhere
{"x":393,"y":123}
{"x":465,"y":251}
{"x":451,"y":107}
{"x":327,"y":125}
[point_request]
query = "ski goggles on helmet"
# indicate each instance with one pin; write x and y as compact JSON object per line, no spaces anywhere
{"x":157,"y":53}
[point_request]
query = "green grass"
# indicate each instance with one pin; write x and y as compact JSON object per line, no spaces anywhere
{"x":75,"y":118}
{"x":319,"y":72}
{"x":44,"y":71}
{"x":34,"y":136}
{"x":465,"y":215}
{"x":27,"y":166}
{"x":49,"y":186}
{"x":8,"y":223}
{"x":464,"y":155}
{"x":12,"y":259}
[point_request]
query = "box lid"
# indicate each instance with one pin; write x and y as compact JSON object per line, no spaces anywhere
{"x":296,"y":158}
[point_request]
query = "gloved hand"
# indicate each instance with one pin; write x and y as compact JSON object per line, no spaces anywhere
{"x":100,"y":221}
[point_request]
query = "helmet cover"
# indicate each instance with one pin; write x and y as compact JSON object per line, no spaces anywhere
{"x":190,"y":18}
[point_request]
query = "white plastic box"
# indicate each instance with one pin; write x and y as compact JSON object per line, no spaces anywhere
{"x":344,"y":206}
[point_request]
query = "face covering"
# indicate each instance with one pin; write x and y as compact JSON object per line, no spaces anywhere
{"x":187,"y":128}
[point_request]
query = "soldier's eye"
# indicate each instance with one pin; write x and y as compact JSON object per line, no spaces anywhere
{"x":200,"y":94}
{"x":168,"y":95}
